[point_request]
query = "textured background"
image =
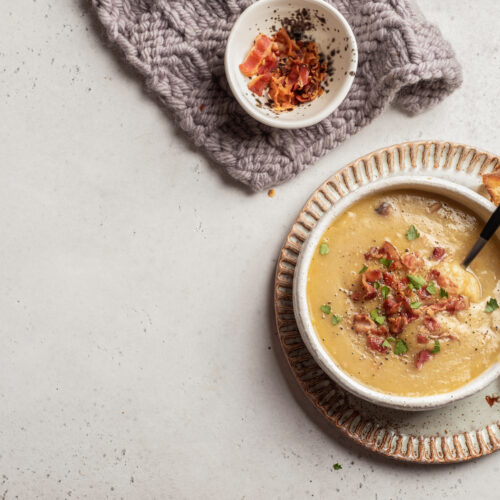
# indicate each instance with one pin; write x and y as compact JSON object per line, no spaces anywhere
{"x":135,"y":290}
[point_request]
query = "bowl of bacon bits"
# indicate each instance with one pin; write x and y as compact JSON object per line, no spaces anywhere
{"x":290,"y":64}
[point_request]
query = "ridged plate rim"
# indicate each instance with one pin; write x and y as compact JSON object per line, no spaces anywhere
{"x":458,"y":162}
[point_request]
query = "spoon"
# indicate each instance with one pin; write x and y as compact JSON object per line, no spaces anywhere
{"x":486,"y":234}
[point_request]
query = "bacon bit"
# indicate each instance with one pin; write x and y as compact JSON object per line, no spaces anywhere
{"x":375,"y":253}
{"x":372,"y":275}
{"x":392,"y":306}
{"x":375,"y":343}
{"x":384,"y":209}
{"x":386,"y":251}
{"x":445,"y":282}
{"x":423,"y":357}
{"x":362,"y":323}
{"x":370,"y":292}
{"x":442,"y":281}
{"x":303,"y":76}
{"x":422,"y":338}
{"x":356,"y":296}
{"x":284,"y":44}
{"x":411,"y":314}
{"x":389,"y":279}
{"x":396,"y":324}
{"x":435,"y":207}
{"x":452,"y":305}
{"x":261,"y":49}
{"x":434,"y":274}
{"x":491,"y":400}
{"x":431,"y":323}
{"x":269,"y":64}
{"x":402,"y":285}
{"x":392,"y":254}
{"x":423,"y":294}
{"x":438,"y":254}
{"x":382,"y":331}
{"x":458,"y":303}
{"x":258,"y":84}
{"x":271,"y":193}
{"x":412,"y":261}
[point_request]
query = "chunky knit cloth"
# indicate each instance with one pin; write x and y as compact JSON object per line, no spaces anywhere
{"x":178,"y":46}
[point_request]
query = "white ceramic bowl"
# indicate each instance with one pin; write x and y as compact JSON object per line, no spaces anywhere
{"x":260,"y":17}
{"x":479,"y":205}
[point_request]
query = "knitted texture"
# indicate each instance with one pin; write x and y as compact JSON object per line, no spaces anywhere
{"x":178,"y":46}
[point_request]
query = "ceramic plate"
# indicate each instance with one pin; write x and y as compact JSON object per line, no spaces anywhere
{"x":462,"y":431}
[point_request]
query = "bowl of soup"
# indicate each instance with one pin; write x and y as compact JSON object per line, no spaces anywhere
{"x":383,"y":303}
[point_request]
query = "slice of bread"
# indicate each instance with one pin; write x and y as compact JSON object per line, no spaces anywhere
{"x":492,"y":184}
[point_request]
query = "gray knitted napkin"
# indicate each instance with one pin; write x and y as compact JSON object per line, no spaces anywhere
{"x":178,"y":46}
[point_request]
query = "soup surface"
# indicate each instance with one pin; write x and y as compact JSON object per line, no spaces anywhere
{"x":392,"y":305}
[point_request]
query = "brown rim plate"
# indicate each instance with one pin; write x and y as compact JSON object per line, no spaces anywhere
{"x":461,"y":431}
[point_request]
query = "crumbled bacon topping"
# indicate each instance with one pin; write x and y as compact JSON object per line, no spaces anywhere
{"x":292,"y":70}
{"x":386,"y":251}
{"x":375,"y":342}
{"x":405,"y":296}
{"x":491,"y":400}
{"x":369,"y":277}
{"x":396,"y":324}
{"x":412,"y":261}
{"x":363,"y":323}
{"x":443,"y":281}
{"x":438,"y":254}
{"x":422,"y":338}
{"x":423,"y":357}
{"x":431,"y":323}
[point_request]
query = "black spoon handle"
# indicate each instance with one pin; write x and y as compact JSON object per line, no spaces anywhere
{"x":492,"y":225}
{"x":488,"y":231}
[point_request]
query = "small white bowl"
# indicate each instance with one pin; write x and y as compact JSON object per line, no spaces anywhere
{"x":332,"y":34}
{"x":479,"y":205}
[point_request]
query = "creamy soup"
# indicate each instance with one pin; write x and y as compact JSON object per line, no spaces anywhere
{"x":391,"y":303}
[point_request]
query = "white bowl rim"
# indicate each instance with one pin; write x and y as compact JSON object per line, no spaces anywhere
{"x":445,"y":188}
{"x":253,"y":110}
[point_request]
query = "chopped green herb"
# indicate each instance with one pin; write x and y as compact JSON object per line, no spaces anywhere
{"x":376,"y":285}
{"x":431,"y":288}
{"x":363,"y":269}
{"x":416,"y":304}
{"x":417,"y":281}
{"x":443,"y":293}
{"x":412,"y":233}
{"x":491,"y":305}
{"x":324,"y":249}
{"x":400,"y":347}
{"x":326,"y":309}
{"x":337,"y":467}
{"x":336,"y":319}
{"x":377,"y":318}
{"x":437,"y":347}
{"x":385,"y":343}
{"x":386,"y":262}
{"x":385,"y":291}
{"x":410,"y":286}
{"x":391,"y":339}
